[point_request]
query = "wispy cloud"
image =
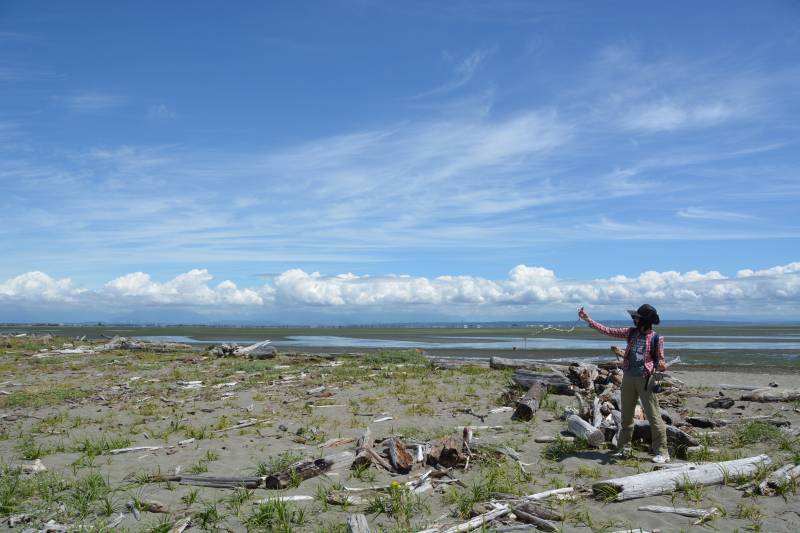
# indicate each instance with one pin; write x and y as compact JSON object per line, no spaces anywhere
{"x":462,"y":71}
{"x":701,"y":213}
{"x":91,"y":101}
{"x":161,"y":112}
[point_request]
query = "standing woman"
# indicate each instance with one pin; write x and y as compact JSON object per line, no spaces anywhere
{"x":643,"y":355}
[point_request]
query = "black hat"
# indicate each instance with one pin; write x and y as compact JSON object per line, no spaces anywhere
{"x":647,"y":312}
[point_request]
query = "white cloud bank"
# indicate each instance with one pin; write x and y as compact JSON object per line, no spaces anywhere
{"x":776,"y":288}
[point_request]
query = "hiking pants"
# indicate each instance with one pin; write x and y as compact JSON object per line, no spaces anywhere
{"x":633,"y":388}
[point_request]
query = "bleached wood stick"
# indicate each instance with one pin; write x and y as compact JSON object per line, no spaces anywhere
{"x":118,"y":451}
{"x":245,"y":424}
{"x":548,"y":493}
{"x":479,"y":520}
{"x":357,"y":523}
{"x":783,"y":475}
{"x":683,"y":511}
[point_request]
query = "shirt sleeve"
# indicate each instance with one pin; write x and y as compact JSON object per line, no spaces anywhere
{"x":621,"y":333}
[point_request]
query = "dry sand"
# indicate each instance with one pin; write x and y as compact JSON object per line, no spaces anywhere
{"x":66,"y":409}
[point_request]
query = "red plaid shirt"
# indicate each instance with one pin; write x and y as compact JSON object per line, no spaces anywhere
{"x":625,"y":333}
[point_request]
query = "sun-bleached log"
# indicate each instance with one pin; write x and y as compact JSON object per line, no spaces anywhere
{"x":556,"y":383}
{"x":772,"y":395}
{"x":529,"y":404}
{"x":597,"y":415}
{"x":583,"y":429}
{"x":660,"y":482}
{"x":480,"y":520}
{"x":683,"y":511}
{"x":546,"y":494}
{"x":782,"y":476}
{"x":220,"y":482}
{"x":357,"y":523}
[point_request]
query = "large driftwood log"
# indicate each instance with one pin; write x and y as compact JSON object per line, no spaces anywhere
{"x":556,"y":383}
{"x":480,"y":520}
{"x":675,"y":437}
{"x":540,"y":523}
{"x":772,"y":395}
{"x":504,"y":362}
{"x":666,"y":481}
{"x":583,"y":429}
{"x":357,"y":523}
{"x":537,"y":509}
{"x":782,"y":476}
{"x":446,"y":452}
{"x":307,"y":469}
{"x":583,"y":375}
{"x":529,"y":404}
{"x":401,"y":460}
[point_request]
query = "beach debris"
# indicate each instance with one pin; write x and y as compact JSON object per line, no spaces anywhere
{"x":548,"y":493}
{"x":134,"y":509}
{"x":35,"y":467}
{"x":781,"y":477}
{"x":481,"y":520}
{"x":331,"y":443}
{"x":118,"y":451}
{"x":153,"y":506}
{"x":401,"y":460}
{"x":292,"y":498}
{"x":583,"y":429}
{"x":126,"y":343}
{"x":721,"y":403}
{"x":259,"y":350}
{"x":523,"y":514}
{"x":550,"y":438}
{"x":357,"y":523}
{"x":772,"y":395}
{"x":447,"y":452}
{"x":241,"y":424}
{"x":307,"y":469}
{"x":529,"y":404}
{"x":556,"y":383}
{"x":660,"y":482}
{"x":189,"y":385}
{"x":220,"y":482}
{"x":181,"y":525}
{"x":366,"y":454}
{"x":383,"y":419}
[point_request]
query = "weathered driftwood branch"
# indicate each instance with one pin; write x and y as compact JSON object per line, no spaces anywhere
{"x":675,"y":437}
{"x":583,"y":429}
{"x":772,"y":395}
{"x":357,"y":523}
{"x":220,"y":482}
{"x":665,"y":481}
{"x":537,"y":509}
{"x":546,"y":494}
{"x":540,"y":523}
{"x":779,"y":478}
{"x":556,"y":383}
{"x":307,"y":469}
{"x":529,"y":404}
{"x":505,"y":362}
{"x":683,"y":511}
{"x":480,"y":520}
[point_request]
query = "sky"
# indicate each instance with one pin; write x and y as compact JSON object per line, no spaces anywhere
{"x":372,"y":161}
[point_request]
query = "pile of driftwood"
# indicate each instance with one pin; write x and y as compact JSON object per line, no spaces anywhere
{"x":259,"y":350}
{"x":597,"y":417}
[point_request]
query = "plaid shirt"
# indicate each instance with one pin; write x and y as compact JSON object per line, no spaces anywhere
{"x":625,"y":333}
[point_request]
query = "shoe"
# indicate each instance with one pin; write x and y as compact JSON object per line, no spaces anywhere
{"x":622,"y":453}
{"x":661,"y":459}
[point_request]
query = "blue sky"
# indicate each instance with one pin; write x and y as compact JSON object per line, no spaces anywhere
{"x":368,"y":160}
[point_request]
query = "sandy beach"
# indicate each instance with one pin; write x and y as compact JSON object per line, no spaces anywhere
{"x":235,"y":417}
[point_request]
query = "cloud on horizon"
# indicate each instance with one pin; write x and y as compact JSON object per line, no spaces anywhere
{"x":525,"y":287}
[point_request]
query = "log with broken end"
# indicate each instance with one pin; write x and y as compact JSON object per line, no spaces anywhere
{"x":583,"y":429}
{"x":772,"y":395}
{"x":666,"y":481}
{"x":401,"y":460}
{"x":556,"y":383}
{"x":307,"y":469}
{"x":446,"y":452}
{"x":529,"y":404}
{"x":780,"y":478}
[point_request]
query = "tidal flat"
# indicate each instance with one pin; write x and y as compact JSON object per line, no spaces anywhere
{"x":193,"y":414}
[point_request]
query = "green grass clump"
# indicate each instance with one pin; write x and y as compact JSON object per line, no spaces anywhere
{"x":277,"y":463}
{"x":400,"y":504}
{"x":276,"y":515}
{"x":407,"y":357}
{"x":42,"y":396}
{"x":754,"y":432}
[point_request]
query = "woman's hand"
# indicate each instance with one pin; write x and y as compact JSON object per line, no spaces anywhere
{"x":583,"y":315}
{"x":662,"y":366}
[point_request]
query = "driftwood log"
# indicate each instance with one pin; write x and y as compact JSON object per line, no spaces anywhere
{"x":556,"y":383}
{"x":220,"y":482}
{"x":583,"y":429}
{"x":401,"y":460}
{"x":540,"y":523}
{"x":366,"y":454}
{"x":357,"y":523}
{"x":504,"y":362}
{"x":529,"y":404}
{"x":675,"y":437}
{"x":537,"y":509}
{"x":446,"y":452}
{"x":781,"y":477}
{"x":660,"y":482}
{"x":772,"y":395}
{"x":307,"y":469}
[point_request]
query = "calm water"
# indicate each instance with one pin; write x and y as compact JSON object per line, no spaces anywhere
{"x":745,"y":350}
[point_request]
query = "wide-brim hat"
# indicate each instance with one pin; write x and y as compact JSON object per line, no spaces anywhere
{"x":646,"y":311}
